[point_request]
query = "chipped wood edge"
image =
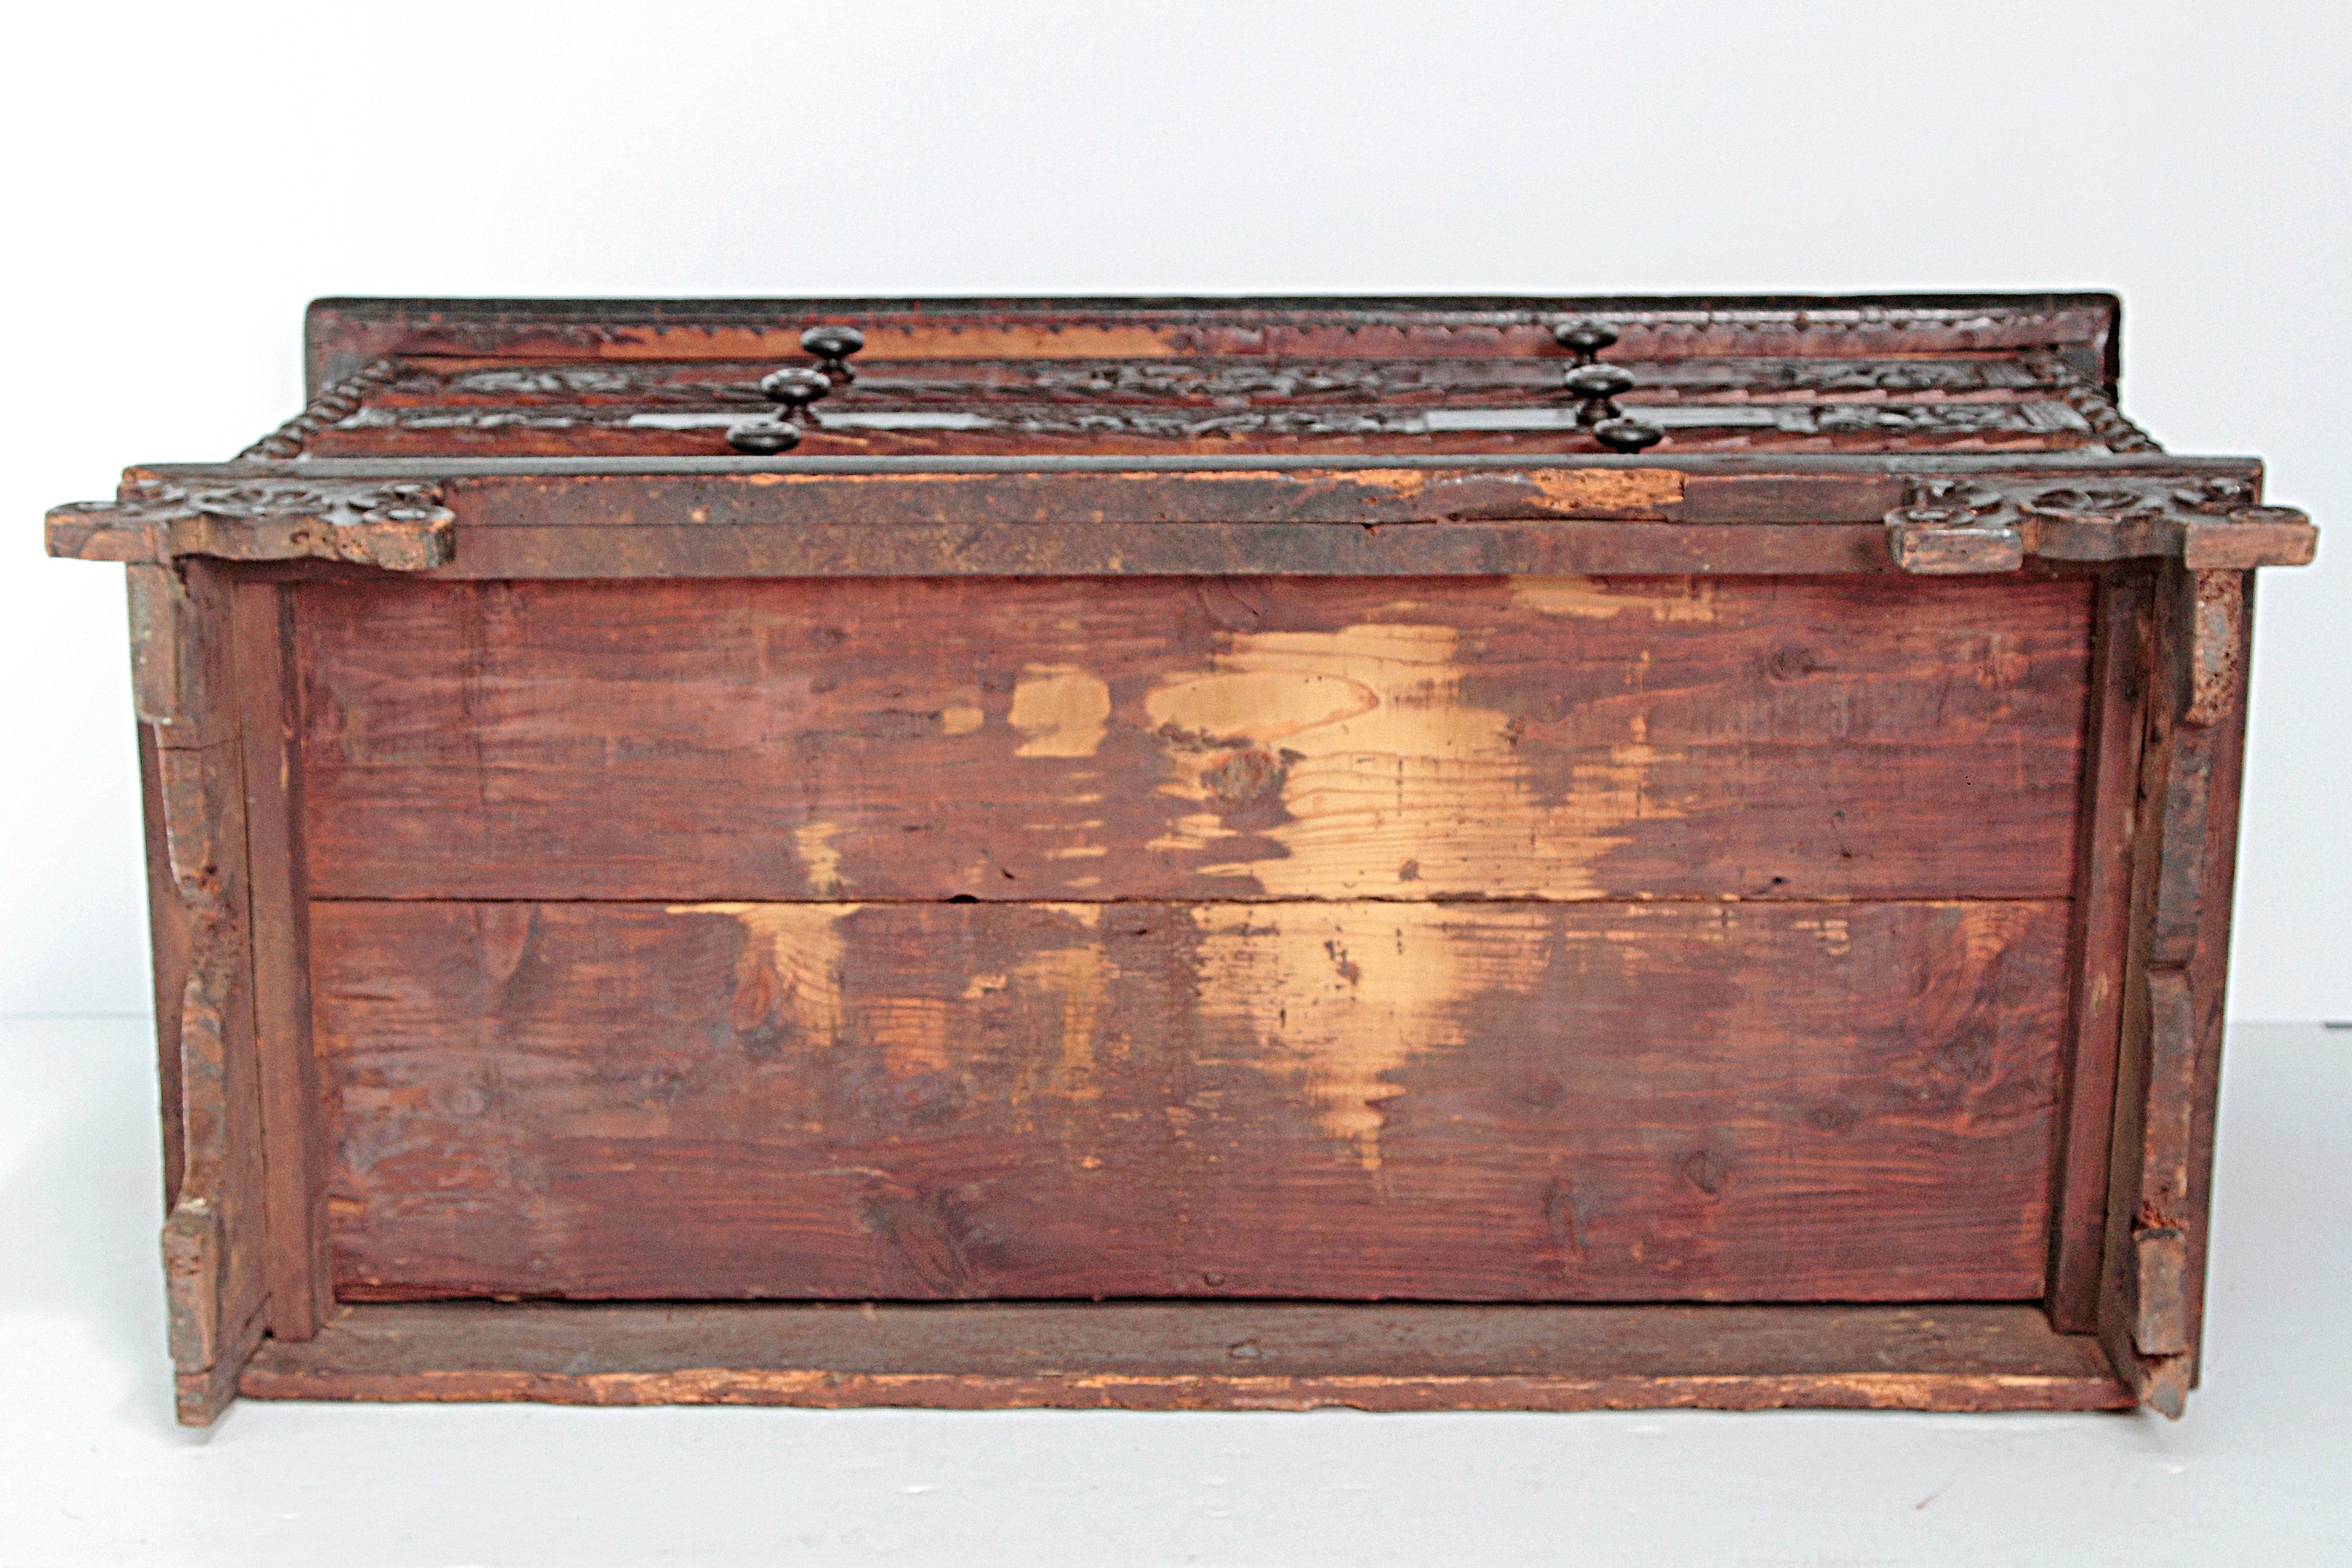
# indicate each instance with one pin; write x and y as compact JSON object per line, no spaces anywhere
{"x":833,"y":1390}
{"x":1656,"y":1358}
{"x":214,"y":1235}
{"x":2151,"y":1298}
{"x":398,"y":525}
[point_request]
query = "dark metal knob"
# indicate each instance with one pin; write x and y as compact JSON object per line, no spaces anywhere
{"x":1585,"y":339}
{"x":1597,"y":387}
{"x":1628,"y":436}
{"x":796,"y":388}
{"x":764,"y":439}
{"x":833,"y":346}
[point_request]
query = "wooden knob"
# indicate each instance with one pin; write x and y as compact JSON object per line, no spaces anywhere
{"x":1628,"y":436}
{"x":1585,"y":339}
{"x":1598,"y":386}
{"x":833,"y":346}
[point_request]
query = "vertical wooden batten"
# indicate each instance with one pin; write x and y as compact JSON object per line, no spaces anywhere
{"x":2100,"y":939}
{"x":2151,"y":1298}
{"x":293,"y":1157}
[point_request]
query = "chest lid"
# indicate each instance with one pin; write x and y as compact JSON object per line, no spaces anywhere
{"x":1203,"y":378}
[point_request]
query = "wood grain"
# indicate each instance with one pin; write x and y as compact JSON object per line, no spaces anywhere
{"x":1489,"y":1101}
{"x":215,"y":1237}
{"x":170,"y":938}
{"x":2100,"y":942}
{"x":1207,"y":739}
{"x":293,"y":1147}
{"x":1200,"y":1355}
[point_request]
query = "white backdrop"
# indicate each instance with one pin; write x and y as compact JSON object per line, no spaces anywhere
{"x":182,"y":180}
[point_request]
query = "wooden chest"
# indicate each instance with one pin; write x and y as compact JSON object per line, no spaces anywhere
{"x":1399,"y":852}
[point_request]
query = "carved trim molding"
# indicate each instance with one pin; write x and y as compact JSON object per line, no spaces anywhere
{"x":400,"y":528}
{"x":2116,"y":433}
{"x":337,"y":404}
{"x":1953,"y":525}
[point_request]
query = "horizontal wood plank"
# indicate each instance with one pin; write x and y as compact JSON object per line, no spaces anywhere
{"x":566,"y":552}
{"x":1199,"y":1355}
{"x":1546,"y":737}
{"x":1467,"y":1102}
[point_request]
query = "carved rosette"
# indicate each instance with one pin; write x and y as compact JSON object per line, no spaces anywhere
{"x":1948,"y":525}
{"x":398,"y":526}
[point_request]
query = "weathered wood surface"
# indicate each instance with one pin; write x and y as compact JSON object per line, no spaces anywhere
{"x":345,"y":334}
{"x":554,"y":517}
{"x":1200,"y":1355}
{"x":1488,"y":1101}
{"x":2159,"y":1185}
{"x":2025,"y":430}
{"x":1148,"y":549}
{"x":215,"y":1235}
{"x":1094,"y":740}
{"x":2100,"y":941}
{"x":293,"y":1138}
{"x":169,"y":935}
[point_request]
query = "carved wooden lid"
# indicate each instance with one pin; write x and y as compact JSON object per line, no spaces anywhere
{"x":1933,"y":433}
{"x":1175,"y":378}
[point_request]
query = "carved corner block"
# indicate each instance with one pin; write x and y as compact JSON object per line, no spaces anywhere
{"x":1955,"y":527}
{"x":1959,"y":525}
{"x":400,"y":527}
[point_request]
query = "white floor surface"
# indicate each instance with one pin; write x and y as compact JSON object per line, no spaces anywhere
{"x":93,"y":1471}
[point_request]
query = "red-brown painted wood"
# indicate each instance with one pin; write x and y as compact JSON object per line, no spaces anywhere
{"x":1682,"y":1101}
{"x":1197,"y":739}
{"x":1200,"y":1356}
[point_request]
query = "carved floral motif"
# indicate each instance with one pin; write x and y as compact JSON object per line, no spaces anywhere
{"x":401,"y":527}
{"x":1991,"y":525}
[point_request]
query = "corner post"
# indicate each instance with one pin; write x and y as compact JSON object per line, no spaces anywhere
{"x":2151,"y":1296}
{"x":181,"y":620}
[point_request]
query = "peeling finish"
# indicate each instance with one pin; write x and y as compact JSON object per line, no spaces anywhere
{"x":1061,"y":709}
{"x":1608,"y":489}
{"x":1345,"y":995}
{"x":814,"y":844}
{"x":788,"y":969}
{"x":1377,"y":746}
{"x":1687,"y":599}
{"x":1080,"y":977}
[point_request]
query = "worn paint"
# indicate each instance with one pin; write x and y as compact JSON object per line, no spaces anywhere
{"x":788,"y":967}
{"x":820,"y":859}
{"x":789,"y":981}
{"x":1061,"y":710}
{"x":1079,"y":977}
{"x":1608,"y":489}
{"x":1836,"y":935}
{"x":1364,"y":739}
{"x":1341,"y":996}
{"x":1683,"y":599}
